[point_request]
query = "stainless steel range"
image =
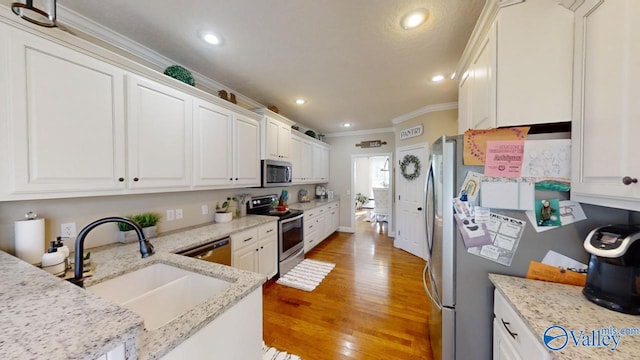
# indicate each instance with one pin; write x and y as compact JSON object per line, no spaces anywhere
{"x":290,"y":230}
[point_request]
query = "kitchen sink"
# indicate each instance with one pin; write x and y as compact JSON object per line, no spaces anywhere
{"x":159,"y":292}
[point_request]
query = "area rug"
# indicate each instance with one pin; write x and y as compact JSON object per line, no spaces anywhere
{"x":307,"y":275}
{"x":269,"y":353}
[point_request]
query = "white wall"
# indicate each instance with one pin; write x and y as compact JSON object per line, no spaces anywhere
{"x":362,"y":178}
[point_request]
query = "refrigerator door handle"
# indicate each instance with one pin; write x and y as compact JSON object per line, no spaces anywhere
{"x":427,"y":270}
{"x":429,"y":205}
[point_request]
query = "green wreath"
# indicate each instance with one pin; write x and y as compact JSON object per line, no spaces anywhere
{"x":406,"y":161}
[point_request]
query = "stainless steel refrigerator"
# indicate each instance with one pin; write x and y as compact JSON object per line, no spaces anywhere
{"x":460,"y":293}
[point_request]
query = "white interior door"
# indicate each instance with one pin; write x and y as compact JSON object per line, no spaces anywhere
{"x":410,"y":202}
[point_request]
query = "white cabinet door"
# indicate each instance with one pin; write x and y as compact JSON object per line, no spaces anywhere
{"x":606,"y":107}
{"x":296,"y":160}
{"x":464,"y":104}
{"x":277,"y":138}
{"x":502,"y":348}
{"x":534,"y":63}
{"x":246,"y":259}
{"x":247,"y":151}
{"x":320,"y":163}
{"x":335,"y":219}
{"x":307,"y":161}
{"x":212,"y":144}
{"x":483,"y":84}
{"x":65,"y":119}
{"x":272,"y":131}
{"x":159,"y":135}
{"x":268,"y":255}
{"x":284,"y":141}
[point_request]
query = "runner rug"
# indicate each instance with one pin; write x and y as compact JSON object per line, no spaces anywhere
{"x":307,"y":275}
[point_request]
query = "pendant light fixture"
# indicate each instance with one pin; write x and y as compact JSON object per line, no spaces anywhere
{"x":39,"y":12}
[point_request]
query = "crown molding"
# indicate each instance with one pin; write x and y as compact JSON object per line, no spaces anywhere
{"x":425,"y":110}
{"x":72,"y":19}
{"x":361,"y":132}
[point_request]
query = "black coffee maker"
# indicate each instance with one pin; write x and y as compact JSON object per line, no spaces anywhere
{"x":613,"y":277}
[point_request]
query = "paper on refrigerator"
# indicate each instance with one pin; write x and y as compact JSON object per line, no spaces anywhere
{"x":570,"y":212}
{"x":505,"y":233}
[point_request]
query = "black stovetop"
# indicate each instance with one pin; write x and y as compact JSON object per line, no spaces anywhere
{"x":262,"y":205}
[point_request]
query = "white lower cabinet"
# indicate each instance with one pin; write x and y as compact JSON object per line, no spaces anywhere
{"x":256,"y":249}
{"x":319,"y":223}
{"x":512,"y":339}
{"x":234,"y":335}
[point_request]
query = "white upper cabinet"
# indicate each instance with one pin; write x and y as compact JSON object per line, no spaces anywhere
{"x":517,"y":67}
{"x":159,"y":135}
{"x":77,"y":120}
{"x":302,"y":160}
{"x":275,"y":136}
{"x":64,"y":120}
{"x":482,"y":78}
{"x":320,"y":163}
{"x":213,"y":159}
{"x":606,"y":108}
{"x":247,"y":151}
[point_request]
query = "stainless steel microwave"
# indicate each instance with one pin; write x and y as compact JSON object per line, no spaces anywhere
{"x":275,"y":173}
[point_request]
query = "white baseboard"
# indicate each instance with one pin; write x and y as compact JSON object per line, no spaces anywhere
{"x":346,"y":229}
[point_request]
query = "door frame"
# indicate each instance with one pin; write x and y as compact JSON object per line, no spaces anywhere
{"x":425,"y":168}
{"x":390,"y":218}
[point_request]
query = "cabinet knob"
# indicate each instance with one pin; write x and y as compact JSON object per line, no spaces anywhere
{"x":236,"y":179}
{"x":419,"y":209}
{"x":628,"y":180}
{"x":121,"y":179}
{"x":230,"y":179}
{"x":135,"y":179}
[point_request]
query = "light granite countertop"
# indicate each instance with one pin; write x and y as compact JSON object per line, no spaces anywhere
{"x":542,"y":304}
{"x":44,"y":317}
{"x":312,"y":204}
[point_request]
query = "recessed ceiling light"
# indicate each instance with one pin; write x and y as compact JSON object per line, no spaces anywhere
{"x":437,"y":78}
{"x":346,"y":125}
{"x":414,"y":19}
{"x":300,"y":101}
{"x":210,"y":38}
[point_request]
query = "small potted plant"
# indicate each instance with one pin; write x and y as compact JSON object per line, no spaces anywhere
{"x":147,"y":222}
{"x":360,"y":200}
{"x":223,"y":211}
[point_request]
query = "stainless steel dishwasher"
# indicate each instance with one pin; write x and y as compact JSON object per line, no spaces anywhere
{"x":217,"y":251}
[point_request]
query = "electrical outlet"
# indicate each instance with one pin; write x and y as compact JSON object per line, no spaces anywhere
{"x":171,"y":215}
{"x":178,"y":214}
{"x":205,"y":210}
{"x":68,"y":230}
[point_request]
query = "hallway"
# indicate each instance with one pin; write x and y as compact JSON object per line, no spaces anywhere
{"x":371,"y":306}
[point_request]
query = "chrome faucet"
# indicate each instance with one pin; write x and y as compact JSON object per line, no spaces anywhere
{"x":146,"y":249}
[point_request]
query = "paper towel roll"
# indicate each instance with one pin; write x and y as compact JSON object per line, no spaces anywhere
{"x":29,"y":240}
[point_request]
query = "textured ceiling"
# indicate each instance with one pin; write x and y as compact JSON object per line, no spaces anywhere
{"x":349,"y":58}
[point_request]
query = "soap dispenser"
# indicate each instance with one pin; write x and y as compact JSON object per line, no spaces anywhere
{"x":61,"y":247}
{"x":53,"y":261}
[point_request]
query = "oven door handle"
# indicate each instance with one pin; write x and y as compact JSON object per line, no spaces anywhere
{"x":297,"y":217}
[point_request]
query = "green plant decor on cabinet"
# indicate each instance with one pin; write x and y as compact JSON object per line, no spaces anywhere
{"x":180,"y":73}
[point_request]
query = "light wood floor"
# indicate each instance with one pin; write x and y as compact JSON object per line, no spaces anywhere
{"x":371,"y":306}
